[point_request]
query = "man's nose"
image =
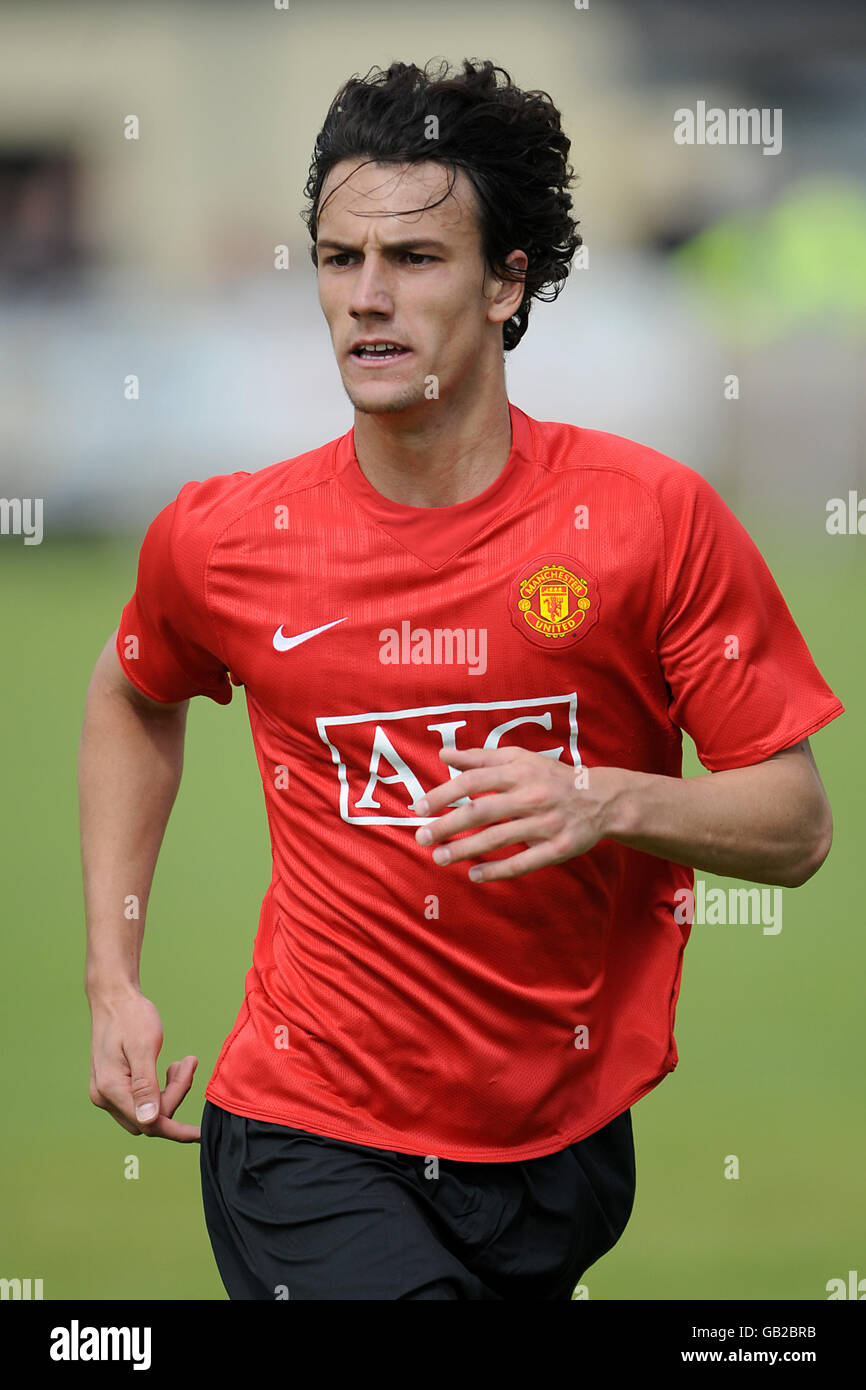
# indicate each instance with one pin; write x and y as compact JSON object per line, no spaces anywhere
{"x":371,"y":288}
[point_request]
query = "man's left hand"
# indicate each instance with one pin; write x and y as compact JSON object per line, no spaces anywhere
{"x":524,"y":798}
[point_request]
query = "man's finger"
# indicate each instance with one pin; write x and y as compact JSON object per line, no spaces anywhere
{"x":538,"y":857}
{"x":487,"y":841}
{"x":178,"y":1080}
{"x":120,"y":1117}
{"x":473,"y":782}
{"x":113,"y":1089}
{"x":166,"y":1128}
{"x":489,"y":811}
{"x":480,"y":757}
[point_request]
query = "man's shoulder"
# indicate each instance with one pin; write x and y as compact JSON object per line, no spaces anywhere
{"x":563,"y":446}
{"x":211,"y":504}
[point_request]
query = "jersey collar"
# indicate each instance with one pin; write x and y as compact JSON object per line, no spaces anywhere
{"x":435,"y":534}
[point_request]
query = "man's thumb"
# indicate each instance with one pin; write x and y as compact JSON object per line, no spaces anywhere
{"x":145,"y":1091}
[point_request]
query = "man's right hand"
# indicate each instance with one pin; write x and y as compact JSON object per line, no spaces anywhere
{"x":126,"y":1041}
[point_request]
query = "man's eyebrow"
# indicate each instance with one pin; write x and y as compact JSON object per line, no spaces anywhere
{"x":411,"y":245}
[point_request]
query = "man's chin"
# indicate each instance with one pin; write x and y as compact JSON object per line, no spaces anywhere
{"x":382,"y":402}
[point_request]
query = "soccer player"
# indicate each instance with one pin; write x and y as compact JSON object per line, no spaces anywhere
{"x":469,"y":641}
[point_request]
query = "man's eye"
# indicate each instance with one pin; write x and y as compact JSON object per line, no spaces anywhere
{"x":342,"y":257}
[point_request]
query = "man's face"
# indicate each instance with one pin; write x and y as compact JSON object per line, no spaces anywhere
{"x":418,"y":281}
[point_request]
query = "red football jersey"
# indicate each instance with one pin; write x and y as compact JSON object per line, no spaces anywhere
{"x":594,"y":600}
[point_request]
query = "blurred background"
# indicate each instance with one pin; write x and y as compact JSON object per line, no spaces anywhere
{"x":720,"y":318}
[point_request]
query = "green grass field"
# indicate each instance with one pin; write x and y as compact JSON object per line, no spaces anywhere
{"x":769,"y":1028}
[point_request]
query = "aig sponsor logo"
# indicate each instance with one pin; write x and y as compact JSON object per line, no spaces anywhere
{"x":386,"y":760}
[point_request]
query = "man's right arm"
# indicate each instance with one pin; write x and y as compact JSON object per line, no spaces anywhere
{"x":129,"y":769}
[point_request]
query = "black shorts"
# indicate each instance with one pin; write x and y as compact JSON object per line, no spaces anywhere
{"x":297,"y":1215}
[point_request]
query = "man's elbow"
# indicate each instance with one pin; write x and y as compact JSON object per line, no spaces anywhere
{"x":818,"y":848}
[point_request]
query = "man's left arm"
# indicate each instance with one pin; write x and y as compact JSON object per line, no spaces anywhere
{"x":769,"y":822}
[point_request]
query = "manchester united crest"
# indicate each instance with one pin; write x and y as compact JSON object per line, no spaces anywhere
{"x":554,"y":601}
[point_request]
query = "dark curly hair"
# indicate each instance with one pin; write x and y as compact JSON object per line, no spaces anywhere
{"x":510,"y":143}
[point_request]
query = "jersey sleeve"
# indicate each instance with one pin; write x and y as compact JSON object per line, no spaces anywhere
{"x":166,"y":642}
{"x":742,"y":682}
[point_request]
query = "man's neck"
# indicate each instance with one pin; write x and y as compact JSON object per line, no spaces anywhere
{"x":437,"y":458}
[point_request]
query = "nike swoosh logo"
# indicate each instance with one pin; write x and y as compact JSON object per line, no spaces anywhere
{"x":285,"y":644}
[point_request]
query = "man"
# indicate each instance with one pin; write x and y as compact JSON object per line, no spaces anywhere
{"x":469,"y":641}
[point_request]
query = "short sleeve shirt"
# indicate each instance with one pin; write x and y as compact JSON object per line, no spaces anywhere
{"x":597,"y":599}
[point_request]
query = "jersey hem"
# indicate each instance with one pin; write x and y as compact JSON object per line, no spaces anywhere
{"x":386,"y":1140}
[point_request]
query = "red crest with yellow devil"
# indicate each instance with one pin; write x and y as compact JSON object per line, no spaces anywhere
{"x":554,"y":601}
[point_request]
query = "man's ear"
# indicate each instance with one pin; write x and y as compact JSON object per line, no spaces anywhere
{"x":506,"y":296}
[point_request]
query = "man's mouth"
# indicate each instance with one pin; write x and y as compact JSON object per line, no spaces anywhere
{"x":377,"y":353}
